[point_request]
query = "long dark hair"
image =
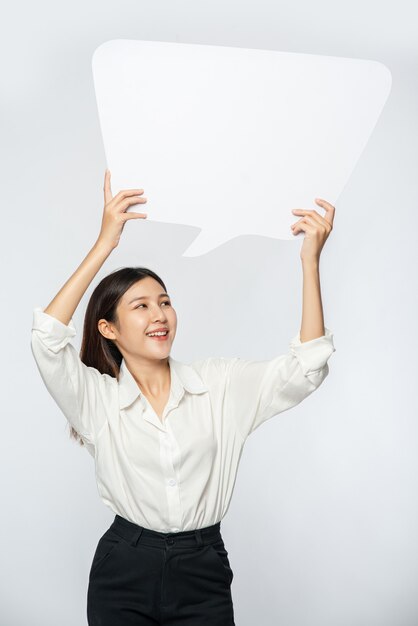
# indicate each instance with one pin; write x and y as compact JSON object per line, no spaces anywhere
{"x":97,"y":351}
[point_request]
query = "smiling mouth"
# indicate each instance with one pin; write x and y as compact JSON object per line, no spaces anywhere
{"x":158,"y":337}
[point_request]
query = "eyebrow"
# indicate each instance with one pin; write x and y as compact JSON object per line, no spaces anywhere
{"x":146,"y":297}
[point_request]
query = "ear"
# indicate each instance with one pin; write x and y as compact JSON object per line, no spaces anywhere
{"x":105,"y":329}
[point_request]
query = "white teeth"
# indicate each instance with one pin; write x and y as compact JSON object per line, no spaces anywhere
{"x":160,"y":334}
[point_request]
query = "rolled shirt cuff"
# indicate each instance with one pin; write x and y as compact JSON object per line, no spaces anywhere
{"x":54,"y":334}
{"x":314,"y":354}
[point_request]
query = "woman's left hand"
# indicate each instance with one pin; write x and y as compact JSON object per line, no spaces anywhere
{"x":316,"y":229}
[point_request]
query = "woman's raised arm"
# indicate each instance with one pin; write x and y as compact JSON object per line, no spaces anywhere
{"x":64,"y":304}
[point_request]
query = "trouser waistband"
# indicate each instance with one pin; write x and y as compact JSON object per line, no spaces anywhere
{"x":188,"y":538}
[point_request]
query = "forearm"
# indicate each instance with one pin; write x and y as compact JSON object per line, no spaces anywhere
{"x":64,"y":304}
{"x":312,"y":313}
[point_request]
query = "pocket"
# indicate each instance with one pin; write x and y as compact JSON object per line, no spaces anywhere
{"x":219,"y":550}
{"x":107,"y":544}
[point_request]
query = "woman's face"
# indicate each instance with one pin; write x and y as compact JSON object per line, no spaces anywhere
{"x":144,"y":308}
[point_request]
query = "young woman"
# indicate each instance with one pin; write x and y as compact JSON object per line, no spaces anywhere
{"x":166,"y":437}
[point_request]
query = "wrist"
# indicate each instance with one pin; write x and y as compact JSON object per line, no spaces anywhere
{"x":310,"y":264}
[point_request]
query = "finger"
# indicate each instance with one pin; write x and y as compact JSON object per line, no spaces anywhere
{"x":132,"y":215}
{"x":107,"y":190}
{"x":303,"y":226}
{"x":126,"y":193}
{"x":310,"y":220}
{"x":127,"y":202}
{"x":314,"y":215}
{"x":325,"y":204}
{"x":294,"y":227}
{"x":329,"y":209}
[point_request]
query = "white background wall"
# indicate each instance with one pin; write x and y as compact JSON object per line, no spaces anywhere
{"x":323,"y":528}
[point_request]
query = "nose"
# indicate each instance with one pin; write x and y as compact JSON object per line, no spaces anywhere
{"x":159,"y":315}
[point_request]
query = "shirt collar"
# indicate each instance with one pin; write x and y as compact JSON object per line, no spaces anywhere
{"x":184,"y":374}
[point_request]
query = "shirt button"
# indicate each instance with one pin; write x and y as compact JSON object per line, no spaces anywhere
{"x":172,"y":482}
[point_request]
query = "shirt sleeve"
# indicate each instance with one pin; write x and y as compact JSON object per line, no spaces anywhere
{"x":80,"y":391}
{"x":258,"y":390}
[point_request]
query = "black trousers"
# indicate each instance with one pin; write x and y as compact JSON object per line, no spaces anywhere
{"x":141,"y":577}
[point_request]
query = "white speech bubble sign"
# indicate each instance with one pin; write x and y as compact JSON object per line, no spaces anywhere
{"x":230,"y":140}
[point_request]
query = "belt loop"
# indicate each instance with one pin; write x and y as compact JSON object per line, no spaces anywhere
{"x":136,"y":537}
{"x":198,"y":535}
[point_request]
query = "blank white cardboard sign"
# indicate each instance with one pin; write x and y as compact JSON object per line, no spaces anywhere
{"x":230,"y":140}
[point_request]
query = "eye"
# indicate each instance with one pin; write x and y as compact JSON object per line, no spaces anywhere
{"x":165,"y":302}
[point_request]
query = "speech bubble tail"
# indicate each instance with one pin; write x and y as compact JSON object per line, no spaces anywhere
{"x":205,"y":242}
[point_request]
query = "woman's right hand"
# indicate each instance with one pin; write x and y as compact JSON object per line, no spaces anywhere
{"x":114,"y":212}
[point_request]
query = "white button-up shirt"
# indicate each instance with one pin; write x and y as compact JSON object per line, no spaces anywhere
{"x":175,"y":473}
